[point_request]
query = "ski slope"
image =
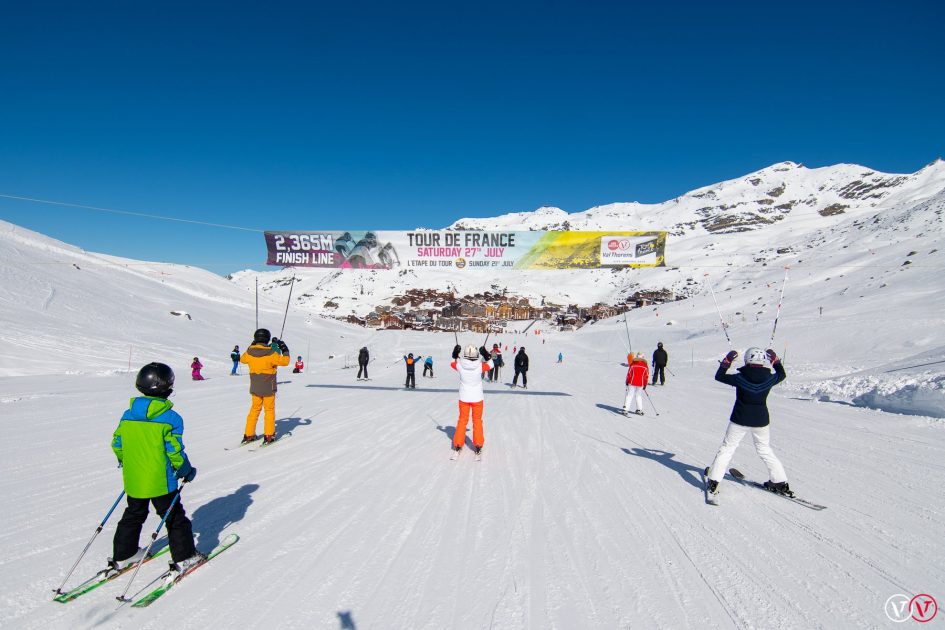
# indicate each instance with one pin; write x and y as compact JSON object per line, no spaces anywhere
{"x":576,"y":518}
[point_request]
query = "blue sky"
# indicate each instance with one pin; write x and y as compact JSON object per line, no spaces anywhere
{"x":364,"y":115}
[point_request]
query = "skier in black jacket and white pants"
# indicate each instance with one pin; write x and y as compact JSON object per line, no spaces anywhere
{"x":750,"y":415}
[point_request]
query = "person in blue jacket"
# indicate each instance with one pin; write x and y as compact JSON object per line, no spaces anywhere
{"x":750,"y":415}
{"x":428,"y":366}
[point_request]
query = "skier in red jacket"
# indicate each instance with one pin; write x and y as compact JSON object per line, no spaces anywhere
{"x":638,"y":375}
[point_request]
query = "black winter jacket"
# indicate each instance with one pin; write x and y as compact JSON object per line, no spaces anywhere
{"x":363,"y":356}
{"x":752,"y":384}
{"x":660,"y":358}
{"x":521,"y":361}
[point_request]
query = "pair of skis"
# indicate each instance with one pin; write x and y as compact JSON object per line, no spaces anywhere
{"x":454,"y":455}
{"x":257,"y":444}
{"x":713,"y":499}
{"x":168,"y":579}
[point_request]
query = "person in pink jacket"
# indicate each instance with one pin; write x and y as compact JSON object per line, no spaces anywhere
{"x":195,"y":369}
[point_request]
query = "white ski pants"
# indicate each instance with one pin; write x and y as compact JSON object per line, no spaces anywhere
{"x":732,"y":439}
{"x":633,"y":392}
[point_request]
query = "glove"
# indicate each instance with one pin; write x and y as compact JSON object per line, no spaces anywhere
{"x":485,"y":353}
{"x":284,"y":349}
{"x":732,"y":354}
{"x":772,"y":356}
{"x":456,"y":351}
{"x":186,"y":471}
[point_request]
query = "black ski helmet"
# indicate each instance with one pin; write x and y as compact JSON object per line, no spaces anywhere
{"x":155,"y":379}
{"x":261,"y":336}
{"x":659,"y":345}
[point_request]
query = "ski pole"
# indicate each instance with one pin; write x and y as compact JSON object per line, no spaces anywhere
{"x":98,"y":530}
{"x":627,"y":326}
{"x":670,"y":372}
{"x":154,"y":536}
{"x":724,"y":329}
{"x":291,"y":285}
{"x":780,"y":299}
{"x":651,"y":401}
{"x":257,"y":302}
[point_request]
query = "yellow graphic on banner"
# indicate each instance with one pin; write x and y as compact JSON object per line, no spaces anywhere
{"x":588,"y":250}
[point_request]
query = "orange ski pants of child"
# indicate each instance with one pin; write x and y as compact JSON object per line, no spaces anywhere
{"x":269,"y":424}
{"x":465,"y":408}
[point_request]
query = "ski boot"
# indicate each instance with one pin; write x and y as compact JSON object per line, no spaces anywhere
{"x":120,"y":565}
{"x":249,"y":438}
{"x":780,"y":487}
{"x":268,"y":439}
{"x":177,"y":569}
{"x":455,"y":453}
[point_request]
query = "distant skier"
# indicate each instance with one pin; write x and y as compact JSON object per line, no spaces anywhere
{"x":471,"y":368}
{"x":428,"y":366}
{"x":195,"y":370}
{"x":364,"y":357}
{"x":496,"y":363}
{"x":750,"y":415}
{"x":263,"y":363}
{"x":638,"y":375}
{"x":150,"y":449}
{"x":660,"y":361}
{"x":235,"y":357}
{"x":299,"y":366}
{"x":521,"y":367}
{"x":560,"y":356}
{"x":411,"y":364}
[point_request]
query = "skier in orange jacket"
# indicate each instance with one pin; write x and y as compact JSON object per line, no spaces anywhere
{"x":263,"y":362}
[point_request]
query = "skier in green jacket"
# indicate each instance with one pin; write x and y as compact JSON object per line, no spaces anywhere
{"x":150,"y":449}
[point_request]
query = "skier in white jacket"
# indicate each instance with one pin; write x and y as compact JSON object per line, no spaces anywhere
{"x":471,"y":368}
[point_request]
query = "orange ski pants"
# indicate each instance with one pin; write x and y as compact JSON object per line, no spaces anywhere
{"x":465,"y":408}
{"x":269,"y":424}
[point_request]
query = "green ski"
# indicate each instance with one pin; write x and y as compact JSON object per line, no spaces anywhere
{"x":169,"y":583}
{"x":102,"y":577}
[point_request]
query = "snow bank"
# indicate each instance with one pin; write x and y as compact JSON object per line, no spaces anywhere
{"x":919,"y":394}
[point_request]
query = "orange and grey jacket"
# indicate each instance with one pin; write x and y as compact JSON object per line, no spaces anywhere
{"x":263,"y":361}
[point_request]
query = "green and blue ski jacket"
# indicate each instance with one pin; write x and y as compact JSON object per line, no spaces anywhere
{"x":149,"y":445}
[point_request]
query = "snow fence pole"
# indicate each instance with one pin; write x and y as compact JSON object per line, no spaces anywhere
{"x":780,"y":299}
{"x":98,"y":530}
{"x":651,"y":401}
{"x":154,"y":536}
{"x":721,"y":319}
{"x":292,"y":284}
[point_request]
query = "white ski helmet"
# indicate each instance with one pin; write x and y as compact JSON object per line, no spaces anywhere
{"x":471,"y":352}
{"x":755,"y":356}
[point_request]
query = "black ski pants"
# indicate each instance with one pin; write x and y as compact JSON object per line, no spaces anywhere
{"x":180,"y":533}
{"x":658,"y":370}
{"x":411,"y":379}
{"x":362,"y":367}
{"x":427,"y":367}
{"x":524,"y":374}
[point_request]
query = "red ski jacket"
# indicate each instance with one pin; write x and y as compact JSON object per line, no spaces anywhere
{"x":639,"y":374}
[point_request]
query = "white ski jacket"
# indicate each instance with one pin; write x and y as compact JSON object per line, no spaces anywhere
{"x":470,"y":378}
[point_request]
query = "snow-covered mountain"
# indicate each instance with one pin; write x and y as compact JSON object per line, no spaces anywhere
{"x":785,"y":214}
